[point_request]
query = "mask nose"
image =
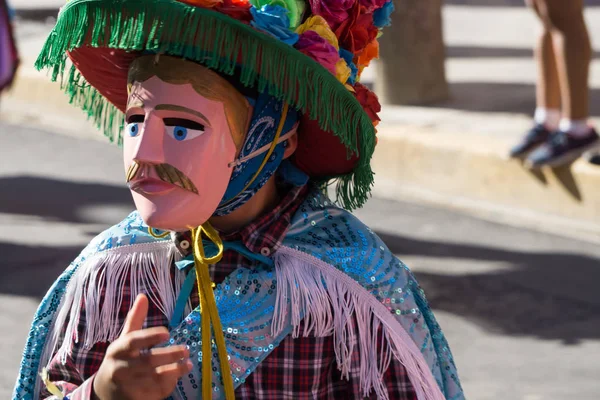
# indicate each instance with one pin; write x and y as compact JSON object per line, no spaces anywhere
{"x":149,"y":148}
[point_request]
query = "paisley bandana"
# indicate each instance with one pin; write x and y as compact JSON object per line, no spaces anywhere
{"x":263,"y":128}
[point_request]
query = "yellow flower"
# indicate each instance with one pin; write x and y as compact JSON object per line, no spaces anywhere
{"x":342,"y":71}
{"x":318,"y":24}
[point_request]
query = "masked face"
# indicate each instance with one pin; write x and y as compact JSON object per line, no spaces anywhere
{"x":178,"y":146}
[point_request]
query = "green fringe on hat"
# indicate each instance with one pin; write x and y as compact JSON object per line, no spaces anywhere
{"x":173,"y":28}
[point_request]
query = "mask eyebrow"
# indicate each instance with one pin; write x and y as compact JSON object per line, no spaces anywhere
{"x":173,"y":107}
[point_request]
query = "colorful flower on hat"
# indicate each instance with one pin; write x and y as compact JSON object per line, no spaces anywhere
{"x":382,"y":16}
{"x":274,"y":21}
{"x":237,"y":9}
{"x":368,"y":100}
{"x":358,"y":30}
{"x":334,"y":11}
{"x":203,"y":3}
{"x":348,"y":57}
{"x":370,"y":52}
{"x":319,"y":49}
{"x":342,"y":71}
{"x":296,"y":9}
{"x":318,"y":24}
{"x":372,"y":5}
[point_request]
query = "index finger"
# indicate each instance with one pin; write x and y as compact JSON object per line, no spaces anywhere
{"x":136,"y":315}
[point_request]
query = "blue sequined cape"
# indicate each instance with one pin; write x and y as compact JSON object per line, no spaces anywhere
{"x":327,"y":255}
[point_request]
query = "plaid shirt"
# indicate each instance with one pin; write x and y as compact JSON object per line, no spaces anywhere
{"x":299,"y":368}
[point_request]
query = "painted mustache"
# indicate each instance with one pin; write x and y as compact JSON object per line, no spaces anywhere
{"x":165,"y":172}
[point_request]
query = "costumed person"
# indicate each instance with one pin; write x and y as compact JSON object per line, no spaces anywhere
{"x":236,"y":277}
{"x":9,"y":59}
{"x":561,"y":131}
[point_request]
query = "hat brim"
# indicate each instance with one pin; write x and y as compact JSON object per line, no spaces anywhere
{"x":102,"y":38}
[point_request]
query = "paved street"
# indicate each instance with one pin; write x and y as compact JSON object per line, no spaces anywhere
{"x":521,"y":309}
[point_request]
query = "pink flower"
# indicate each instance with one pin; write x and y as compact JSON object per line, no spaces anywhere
{"x":372,"y":5}
{"x":319,"y":49}
{"x":334,"y":11}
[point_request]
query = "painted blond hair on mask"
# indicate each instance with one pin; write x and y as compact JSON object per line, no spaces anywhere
{"x":205,"y":82}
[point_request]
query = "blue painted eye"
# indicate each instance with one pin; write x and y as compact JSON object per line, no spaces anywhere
{"x":179,"y":132}
{"x":133,"y":129}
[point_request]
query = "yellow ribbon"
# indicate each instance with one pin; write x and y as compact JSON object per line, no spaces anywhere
{"x":156,"y":235}
{"x":52,"y":388}
{"x":210,"y":314}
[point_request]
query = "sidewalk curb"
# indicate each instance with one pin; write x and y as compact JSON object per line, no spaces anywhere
{"x":471,"y":172}
{"x":464,"y":170}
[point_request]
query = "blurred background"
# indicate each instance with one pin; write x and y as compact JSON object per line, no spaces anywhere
{"x":508,"y":257}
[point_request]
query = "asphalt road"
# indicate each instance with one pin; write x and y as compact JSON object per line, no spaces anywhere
{"x":521,"y":309}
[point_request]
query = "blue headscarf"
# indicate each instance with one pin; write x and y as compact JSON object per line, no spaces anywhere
{"x":263,"y":128}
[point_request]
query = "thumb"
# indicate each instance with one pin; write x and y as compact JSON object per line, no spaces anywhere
{"x":137,"y":315}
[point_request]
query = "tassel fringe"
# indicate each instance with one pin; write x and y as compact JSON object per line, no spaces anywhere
{"x":326,"y":300}
{"x":266,"y":63}
{"x":144,"y":269}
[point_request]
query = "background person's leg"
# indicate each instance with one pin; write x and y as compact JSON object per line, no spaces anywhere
{"x":547,"y":113}
{"x":573,"y":54}
{"x":548,"y":100}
